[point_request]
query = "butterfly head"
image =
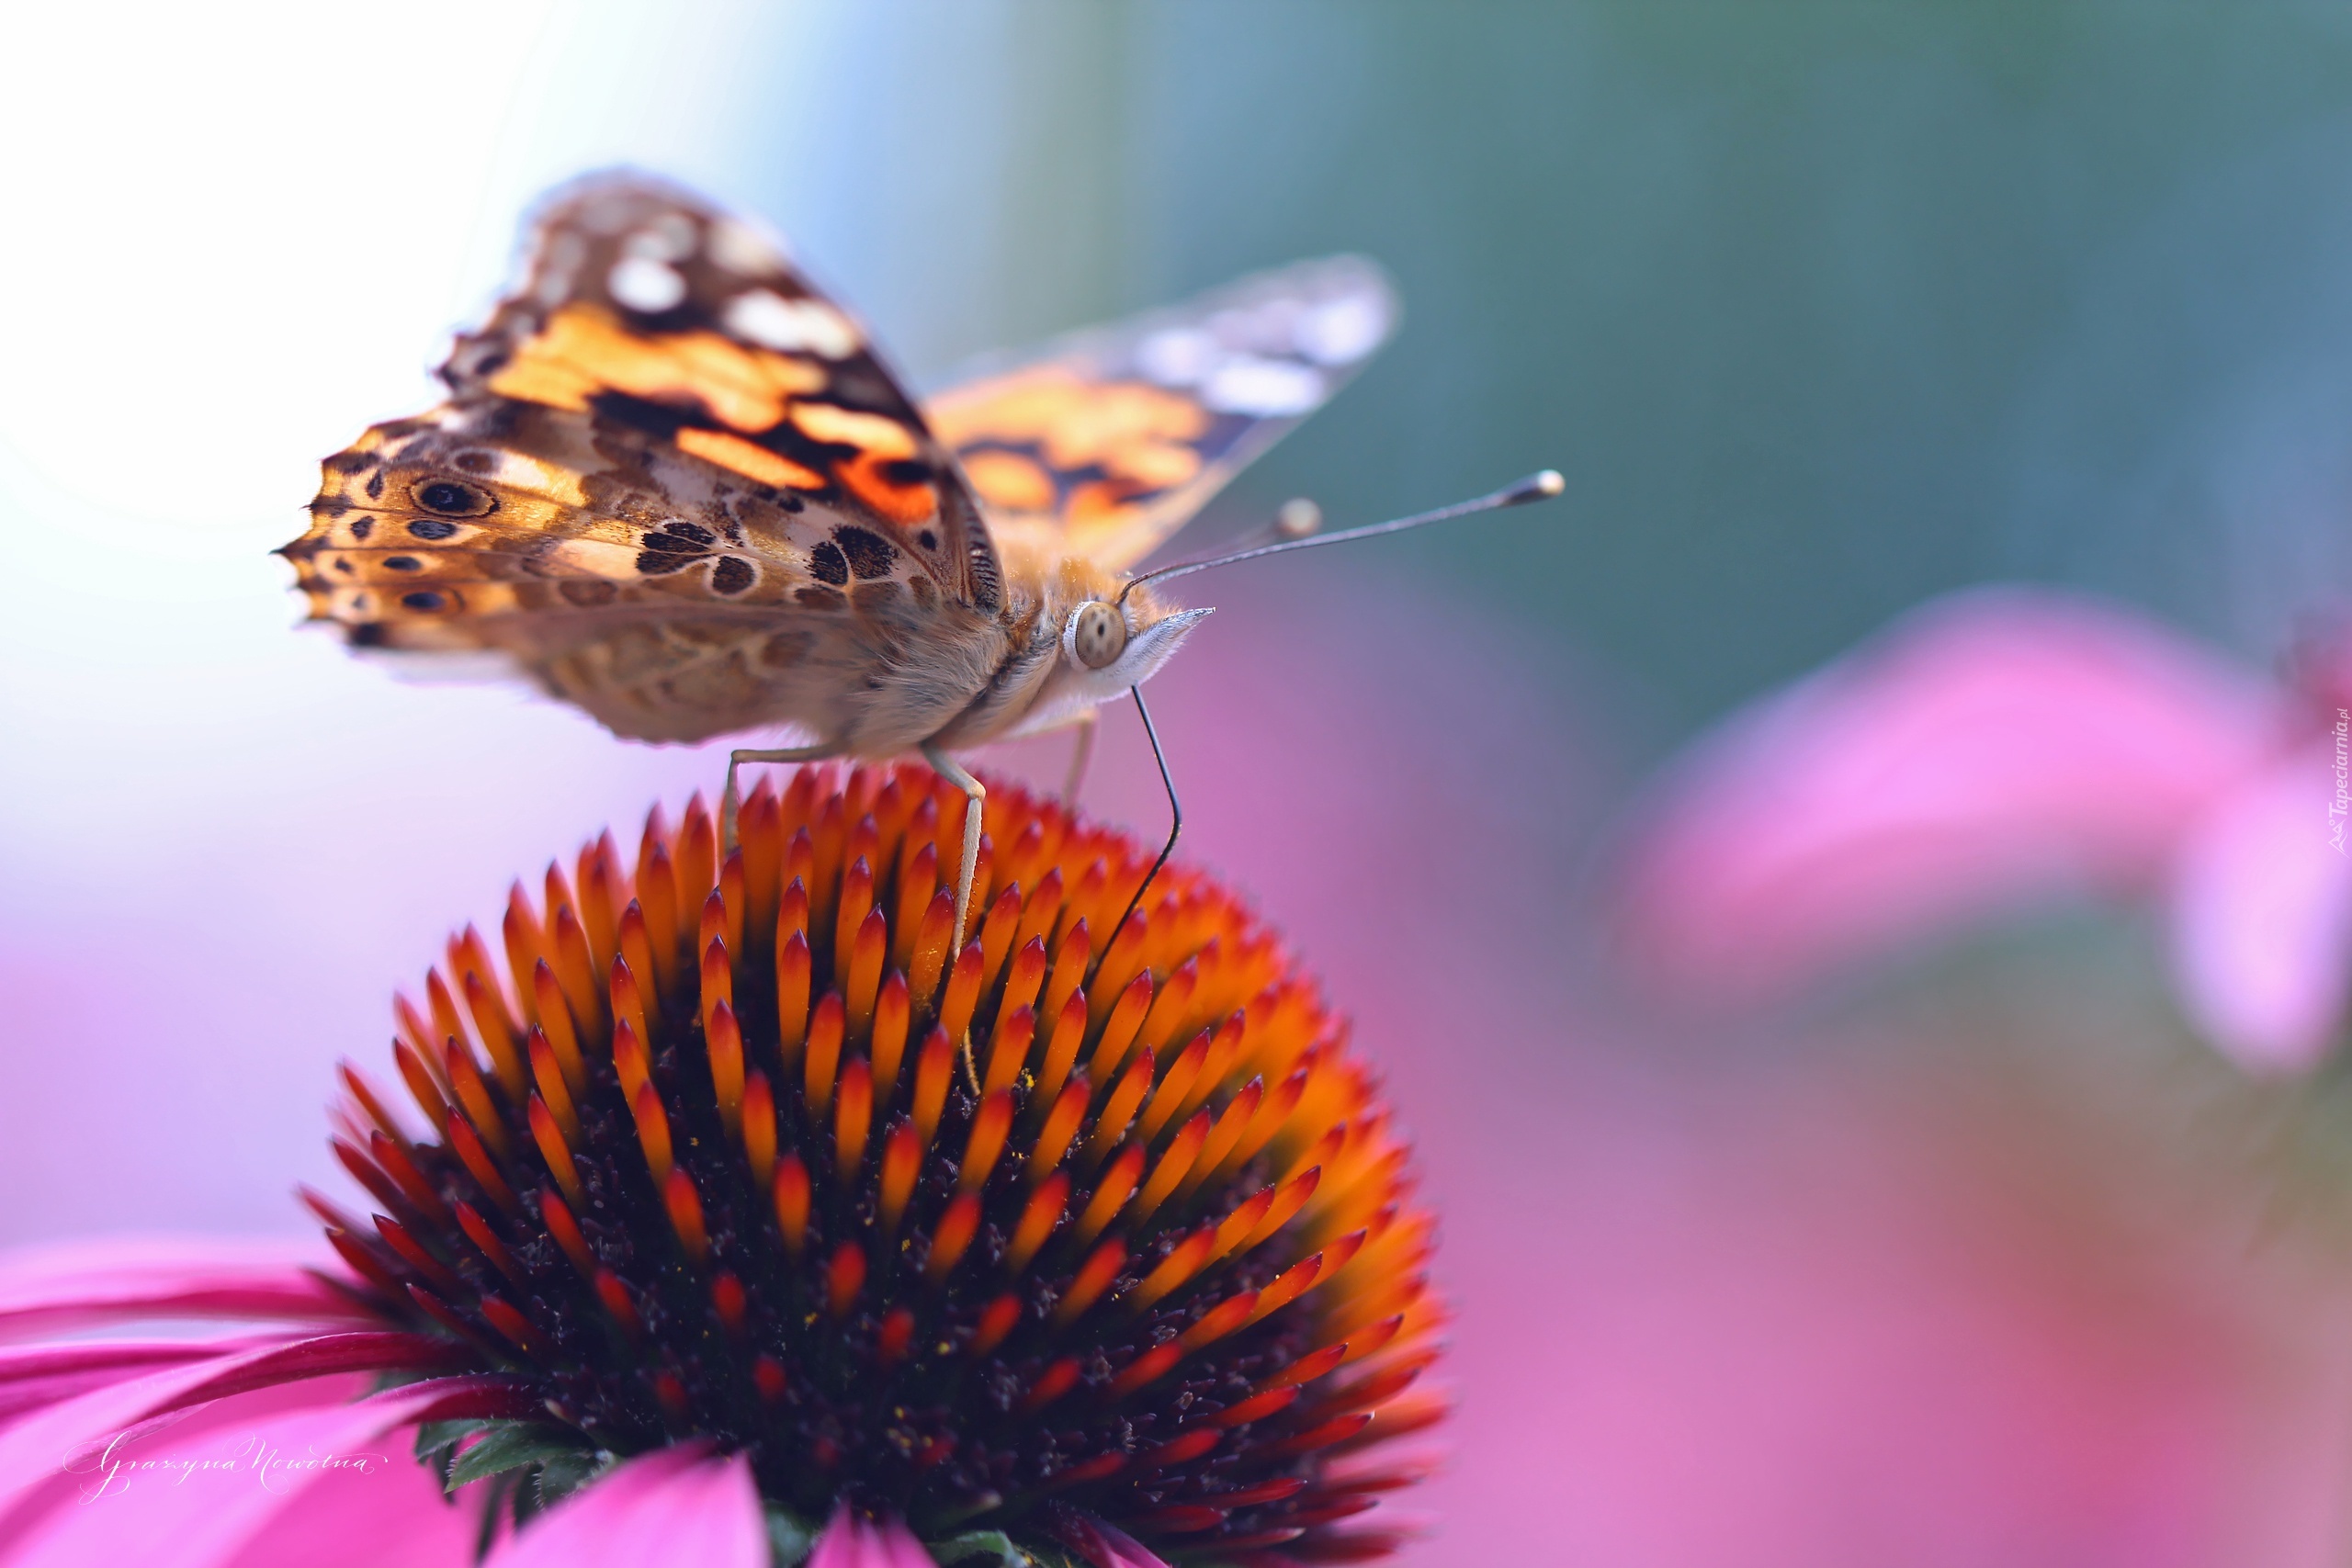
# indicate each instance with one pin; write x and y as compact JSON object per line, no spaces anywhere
{"x":1111,"y":643}
{"x":1107,"y":643}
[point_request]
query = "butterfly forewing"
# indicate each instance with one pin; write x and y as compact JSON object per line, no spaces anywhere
{"x":673,"y":482}
{"x":1109,"y":440}
{"x":661,"y":314}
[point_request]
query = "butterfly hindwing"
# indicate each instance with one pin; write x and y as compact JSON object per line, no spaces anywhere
{"x":1110,"y":440}
{"x":670,"y":599}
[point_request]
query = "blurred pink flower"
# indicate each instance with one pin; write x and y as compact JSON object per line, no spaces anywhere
{"x":2002,"y":747}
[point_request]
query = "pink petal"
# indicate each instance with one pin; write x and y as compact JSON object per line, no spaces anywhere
{"x":82,"y":1284}
{"x":852,"y":1541}
{"x":1103,"y":1545}
{"x":395,"y":1519}
{"x":31,"y":1449}
{"x":677,"y":1505}
{"x":137,"y":1504}
{"x":41,"y":1375}
{"x":2262,"y":917}
{"x":1986,"y":750}
{"x":843,"y":1543}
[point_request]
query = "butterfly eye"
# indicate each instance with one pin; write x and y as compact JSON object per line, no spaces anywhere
{"x":1097,"y":634}
{"x":453,"y":498}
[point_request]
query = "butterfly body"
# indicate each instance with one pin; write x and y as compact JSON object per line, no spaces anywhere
{"x":674,"y":486}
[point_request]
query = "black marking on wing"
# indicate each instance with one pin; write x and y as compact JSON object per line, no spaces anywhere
{"x":869,"y":554}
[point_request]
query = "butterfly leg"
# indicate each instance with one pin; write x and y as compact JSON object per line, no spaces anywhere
{"x":1080,"y":753}
{"x":975,"y":794}
{"x":1175,"y":830}
{"x":732,"y":800}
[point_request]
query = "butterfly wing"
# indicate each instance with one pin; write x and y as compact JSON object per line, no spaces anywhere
{"x":661,"y":313}
{"x":674,"y":484}
{"x":1108,"y":441}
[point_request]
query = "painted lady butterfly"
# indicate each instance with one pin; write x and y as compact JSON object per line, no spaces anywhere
{"x":674,"y":485}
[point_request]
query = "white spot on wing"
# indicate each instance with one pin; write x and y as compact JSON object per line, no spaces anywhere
{"x":1177,"y":356}
{"x":791,"y":325}
{"x":644,"y":284}
{"x":1341,"y":331}
{"x":1264,"y":388}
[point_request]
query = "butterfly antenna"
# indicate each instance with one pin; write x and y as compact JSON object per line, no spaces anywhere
{"x":1541,"y":485}
{"x":1175,"y":827}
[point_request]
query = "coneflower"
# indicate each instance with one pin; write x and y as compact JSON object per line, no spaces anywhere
{"x":720,"y":1169}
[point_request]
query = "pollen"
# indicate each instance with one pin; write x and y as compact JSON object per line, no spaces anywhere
{"x":725,"y":1146}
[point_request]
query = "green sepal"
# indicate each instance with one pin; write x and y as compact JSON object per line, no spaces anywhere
{"x":513,"y":1445}
{"x":436,"y":1444}
{"x":560,"y":1475}
{"x":439,"y":1437}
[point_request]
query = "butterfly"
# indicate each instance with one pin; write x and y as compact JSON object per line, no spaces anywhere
{"x":674,"y":485}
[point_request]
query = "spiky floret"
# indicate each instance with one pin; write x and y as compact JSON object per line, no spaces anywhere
{"x":735,"y":1149}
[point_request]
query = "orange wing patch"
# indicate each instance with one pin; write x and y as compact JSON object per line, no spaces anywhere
{"x":1133,"y":433}
{"x":753,"y":462}
{"x":1080,"y":463}
{"x":584,"y":350}
{"x":1107,"y":444}
{"x":1008,"y":480}
{"x":884,"y":474}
